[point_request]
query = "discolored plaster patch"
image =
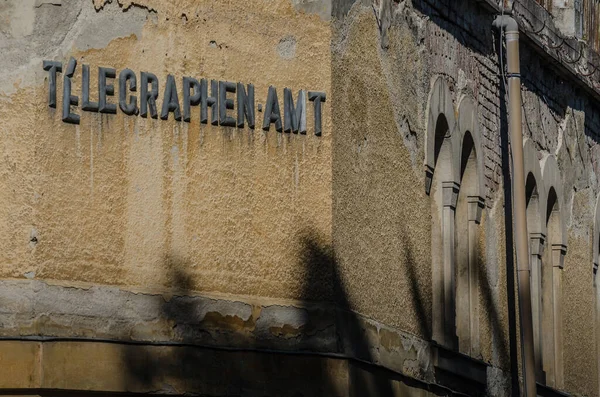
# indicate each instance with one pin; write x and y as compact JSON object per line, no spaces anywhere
{"x":32,"y":33}
{"x":323,"y":8}
{"x":21,"y":17}
{"x":112,"y":21}
{"x":287,"y":47}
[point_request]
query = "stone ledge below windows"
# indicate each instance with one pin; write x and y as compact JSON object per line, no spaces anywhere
{"x":547,"y":391}
{"x":72,"y":368}
{"x":34,"y":311}
{"x":459,"y":371}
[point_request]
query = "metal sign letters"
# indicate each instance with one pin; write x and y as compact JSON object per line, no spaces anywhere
{"x":213,"y":95}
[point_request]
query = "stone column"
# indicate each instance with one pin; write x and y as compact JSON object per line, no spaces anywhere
{"x":437,"y":266}
{"x":548,"y":323}
{"x":476,"y":205}
{"x":450,"y":198}
{"x":558,"y":259}
{"x":536,"y":251}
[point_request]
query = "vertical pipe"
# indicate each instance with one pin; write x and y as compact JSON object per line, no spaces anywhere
{"x":509,"y":247}
{"x":521,"y":235}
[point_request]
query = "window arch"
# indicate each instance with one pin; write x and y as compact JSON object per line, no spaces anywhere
{"x":552,"y":273}
{"x":468,"y":217}
{"x":440,"y":103}
{"x":535,"y":197}
{"x":455,"y":184}
{"x":545,"y":222}
{"x":441,"y":184}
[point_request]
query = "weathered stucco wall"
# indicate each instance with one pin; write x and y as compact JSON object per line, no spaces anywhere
{"x":159,"y":232}
{"x":135,"y":229}
{"x":382,"y":216}
{"x":126,"y":200}
{"x":381,"y":230}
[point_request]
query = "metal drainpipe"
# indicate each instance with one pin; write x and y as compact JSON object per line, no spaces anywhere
{"x":510,"y":26}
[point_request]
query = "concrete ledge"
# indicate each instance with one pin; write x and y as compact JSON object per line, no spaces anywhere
{"x":38,"y":309}
{"x":82,"y":367}
{"x":103,"y":338}
{"x":546,"y":391}
{"x":460,"y":365}
{"x":458,"y":371}
{"x":20,"y":363}
{"x":112,"y":367}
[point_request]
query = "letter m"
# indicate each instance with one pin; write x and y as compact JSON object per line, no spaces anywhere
{"x":295,"y":116}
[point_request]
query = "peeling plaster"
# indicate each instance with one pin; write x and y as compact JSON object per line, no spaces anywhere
{"x":287,"y":47}
{"x":322,"y":8}
{"x":54,"y":32}
{"x":124,"y":4}
{"x":111,"y":23}
{"x":40,"y":3}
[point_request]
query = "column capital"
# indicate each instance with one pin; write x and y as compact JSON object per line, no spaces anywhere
{"x":428,"y":178}
{"x":450,"y":194}
{"x":558,"y":252}
{"x":476,"y":206}
{"x":537,"y":241}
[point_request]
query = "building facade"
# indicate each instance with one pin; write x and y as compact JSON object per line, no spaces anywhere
{"x":294,"y":197}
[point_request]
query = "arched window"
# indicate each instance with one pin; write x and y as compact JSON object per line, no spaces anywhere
{"x":455,"y":184}
{"x":468,"y":218}
{"x":552,"y":274}
{"x":545,"y":224}
{"x":441,"y":165}
{"x":534,"y":194}
{"x":443,"y":205}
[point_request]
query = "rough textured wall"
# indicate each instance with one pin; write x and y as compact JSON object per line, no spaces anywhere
{"x":378,"y":161}
{"x":381,"y":234}
{"x":130,"y":201}
{"x":151,"y":230}
{"x":382,"y":219}
{"x":112,"y":228}
{"x":561,"y":121}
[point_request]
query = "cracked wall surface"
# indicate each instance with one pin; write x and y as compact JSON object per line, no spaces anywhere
{"x":78,"y":322}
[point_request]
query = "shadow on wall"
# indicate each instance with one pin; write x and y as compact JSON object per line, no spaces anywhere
{"x":448,"y":16}
{"x":220,"y":352}
{"x":512,"y":354}
{"x":499,"y":340}
{"x":418,"y":298}
{"x":323,"y":282}
{"x":212,"y":357}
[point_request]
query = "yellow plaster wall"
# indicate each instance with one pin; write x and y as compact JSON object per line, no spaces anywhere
{"x":128,"y":201}
{"x":382,"y":223}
